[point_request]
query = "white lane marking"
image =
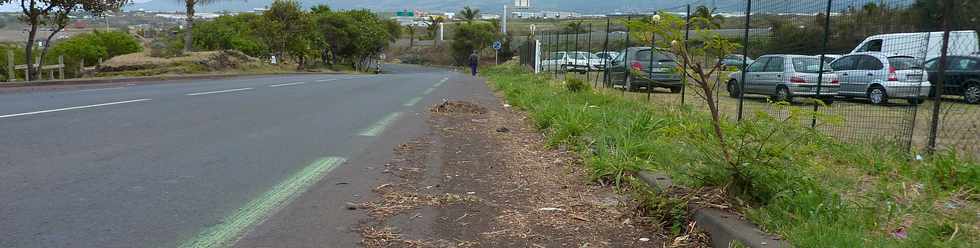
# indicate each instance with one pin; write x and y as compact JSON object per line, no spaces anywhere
{"x":218,"y":92}
{"x":73,"y":108}
{"x":412,"y":102}
{"x":441,"y":82}
{"x":379,"y":127}
{"x":286,"y":84}
{"x":428,"y":91}
{"x":101,"y":89}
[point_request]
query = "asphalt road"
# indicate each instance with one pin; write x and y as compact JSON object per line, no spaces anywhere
{"x":208,"y":163}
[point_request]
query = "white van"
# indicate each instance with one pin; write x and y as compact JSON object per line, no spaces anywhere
{"x":925,"y":46}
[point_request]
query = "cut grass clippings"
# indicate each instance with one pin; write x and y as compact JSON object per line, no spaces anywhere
{"x":798,"y":183}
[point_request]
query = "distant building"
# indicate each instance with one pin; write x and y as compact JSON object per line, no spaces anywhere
{"x":489,"y":16}
{"x":522,"y":5}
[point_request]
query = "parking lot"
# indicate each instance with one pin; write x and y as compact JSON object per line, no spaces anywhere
{"x":897,"y":123}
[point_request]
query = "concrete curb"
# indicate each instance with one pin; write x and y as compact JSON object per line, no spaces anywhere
{"x":724,"y":228}
{"x":83,"y":81}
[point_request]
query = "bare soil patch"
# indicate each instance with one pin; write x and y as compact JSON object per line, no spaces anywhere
{"x":467,"y":184}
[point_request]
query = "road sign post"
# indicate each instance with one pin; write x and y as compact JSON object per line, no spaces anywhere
{"x":496,"y":50}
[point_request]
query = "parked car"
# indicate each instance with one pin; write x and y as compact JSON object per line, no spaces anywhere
{"x":925,"y":45}
{"x":962,"y":77}
{"x":784,"y":77}
{"x":829,"y":58}
{"x":645,"y":67}
{"x":880,"y":77}
{"x":735,"y":60}
{"x":572,"y":61}
{"x":605,"y":58}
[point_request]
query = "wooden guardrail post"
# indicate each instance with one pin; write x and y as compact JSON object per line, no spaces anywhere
{"x":61,"y":67}
{"x":11,"y":74}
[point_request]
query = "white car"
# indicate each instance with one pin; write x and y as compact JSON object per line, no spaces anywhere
{"x":880,"y":77}
{"x":572,"y":61}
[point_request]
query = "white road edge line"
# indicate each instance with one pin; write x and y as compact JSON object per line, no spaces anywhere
{"x":379,"y":127}
{"x":428,"y":91}
{"x":100,"y":89}
{"x":412,"y":102}
{"x":73,"y":108}
{"x":220,"y":91}
{"x":286,"y":84}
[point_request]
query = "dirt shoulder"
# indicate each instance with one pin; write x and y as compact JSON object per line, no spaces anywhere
{"x":483,"y":177}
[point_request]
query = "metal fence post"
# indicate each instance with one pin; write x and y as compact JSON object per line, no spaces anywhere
{"x":940,"y":82}
{"x":556,"y":36}
{"x":61,"y":67}
{"x":626,"y":65}
{"x":823,"y":55}
{"x":687,"y":36}
{"x":605,"y":62}
{"x":588,"y":49}
{"x":11,"y":73}
{"x":653,"y":47}
{"x":745,"y":56}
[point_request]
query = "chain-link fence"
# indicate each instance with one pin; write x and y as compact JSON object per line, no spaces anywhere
{"x":903,"y":73}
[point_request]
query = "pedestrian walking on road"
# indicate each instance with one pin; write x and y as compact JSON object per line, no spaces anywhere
{"x":474,"y":62}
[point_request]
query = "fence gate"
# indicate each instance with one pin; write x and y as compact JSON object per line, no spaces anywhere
{"x":529,"y":54}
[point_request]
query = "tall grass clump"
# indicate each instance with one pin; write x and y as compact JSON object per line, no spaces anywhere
{"x":803,"y":185}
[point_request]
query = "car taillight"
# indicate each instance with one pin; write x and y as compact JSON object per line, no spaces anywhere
{"x":636,"y":65}
{"x":835,"y":81}
{"x":892,"y":76}
{"x":797,"y":79}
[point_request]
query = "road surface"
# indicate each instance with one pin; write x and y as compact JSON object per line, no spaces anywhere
{"x":205,"y":163}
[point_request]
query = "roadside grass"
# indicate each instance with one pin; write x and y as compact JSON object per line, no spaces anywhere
{"x":796,"y":182}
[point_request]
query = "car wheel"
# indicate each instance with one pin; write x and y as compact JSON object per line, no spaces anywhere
{"x":877,"y":95}
{"x":733,"y":88}
{"x":972,"y":94}
{"x":915,"y":101}
{"x":675,"y":89}
{"x":828,"y":100}
{"x":782,"y":95}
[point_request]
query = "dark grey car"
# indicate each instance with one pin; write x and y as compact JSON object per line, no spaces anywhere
{"x":647,"y":67}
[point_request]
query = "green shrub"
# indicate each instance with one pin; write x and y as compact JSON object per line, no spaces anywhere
{"x":576,"y":85}
{"x":115,"y":43}
{"x":230,"y":33}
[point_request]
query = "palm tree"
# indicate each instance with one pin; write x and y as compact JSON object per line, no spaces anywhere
{"x":469,"y":14}
{"x":706,"y":18}
{"x":190,"y":4}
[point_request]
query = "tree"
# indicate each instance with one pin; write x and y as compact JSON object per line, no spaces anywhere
{"x":706,"y":18}
{"x":189,"y":5}
{"x":575,"y":27}
{"x":38,"y":13}
{"x":411,"y":35}
{"x":470,"y":37}
{"x":469,"y":14}
{"x":320,"y":9}
{"x":334,"y":29}
{"x":282,"y":28}
{"x":697,"y":67}
{"x":433,"y":27}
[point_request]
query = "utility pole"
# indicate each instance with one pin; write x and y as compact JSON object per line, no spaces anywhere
{"x":503,"y":24}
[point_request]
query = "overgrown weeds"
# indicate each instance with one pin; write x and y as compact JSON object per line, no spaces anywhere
{"x":801,"y":184}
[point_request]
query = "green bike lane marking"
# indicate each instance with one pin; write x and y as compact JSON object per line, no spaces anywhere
{"x":379,"y":127}
{"x":236,"y":225}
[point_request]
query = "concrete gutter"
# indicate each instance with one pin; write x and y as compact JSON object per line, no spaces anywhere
{"x":723,"y":228}
{"x":83,"y":81}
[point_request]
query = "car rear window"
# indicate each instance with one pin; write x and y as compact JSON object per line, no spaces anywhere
{"x":904,"y":63}
{"x":645,"y":55}
{"x":808,"y":65}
